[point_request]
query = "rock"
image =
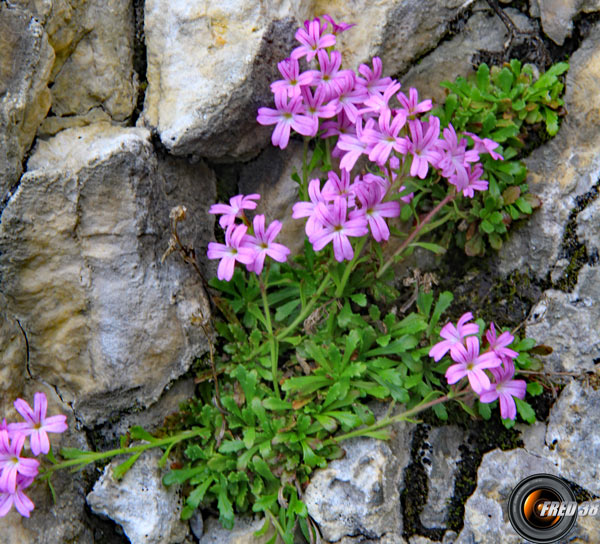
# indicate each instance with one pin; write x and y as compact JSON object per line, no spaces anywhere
{"x":242,"y":532}
{"x":441,"y":466}
{"x":360,"y":494}
{"x":203,"y":94}
{"x":573,"y":434}
{"x":588,"y":231}
{"x":486,"y":517}
{"x":567,"y":322}
{"x":388,"y":538}
{"x":147,"y":510}
{"x":557,"y":16}
{"x":453,"y":58}
{"x":81,"y":243}
{"x":25,"y":66}
{"x":564,"y":168}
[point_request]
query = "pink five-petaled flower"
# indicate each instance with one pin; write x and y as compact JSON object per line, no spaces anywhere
{"x":453,"y":335}
{"x":372,"y":81}
{"x":485,"y":145}
{"x":336,"y":187}
{"x":422,"y":144}
{"x":312,"y":39}
{"x":499,"y":344}
{"x":288,"y":115}
{"x":504,"y":390}
{"x":231,"y":251}
{"x":454,"y":158}
{"x":412,"y":104}
{"x":292,"y":80}
{"x":234,"y":209}
{"x":22,"y":502}
{"x":262,"y":244}
{"x":308,"y":209}
{"x":337,"y":228}
{"x":337,"y":27}
{"x":11,"y":462}
{"x":470,"y":363}
{"x":370,"y":196}
{"x":474,"y":182}
{"x":348,"y":97}
{"x":314,"y":106}
{"x":386,"y":138}
{"x":330,"y":77}
{"x":37,"y":425}
{"x":353,"y":145}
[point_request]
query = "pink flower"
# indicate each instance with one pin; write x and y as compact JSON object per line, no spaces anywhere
{"x":292,"y":80}
{"x":342,"y":125}
{"x":11,"y":462}
{"x":339,"y":188}
{"x":453,"y":336}
{"x":370,"y":196}
{"x":505,"y":389}
{"x":262,"y":244}
{"x":422,"y":145}
{"x":330,"y":77}
{"x":285,"y":117}
{"x":471,"y":363}
{"x":372,"y":81}
{"x":235,"y":209}
{"x":348,"y":97}
{"x":498,"y":344}
{"x":378,"y":103}
{"x":337,"y":228}
{"x":337,"y":27}
{"x":353,"y":145}
{"x":412,"y":104}
{"x":37,"y":425}
{"x":386,"y":138}
{"x":22,"y":502}
{"x":454,"y":158}
{"x":314,"y":107}
{"x":312,"y":39}
{"x":485,"y":145}
{"x":308,"y":209}
{"x":231,"y":251}
{"x":474,"y":183}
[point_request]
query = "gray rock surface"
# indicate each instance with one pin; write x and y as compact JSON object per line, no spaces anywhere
{"x":557,"y":15}
{"x":564,"y":168}
{"x":568,"y":322}
{"x":81,"y":244}
{"x":242,"y":532}
{"x":360,"y":493}
{"x":146,"y":509}
{"x":25,"y":64}
{"x":588,"y":228}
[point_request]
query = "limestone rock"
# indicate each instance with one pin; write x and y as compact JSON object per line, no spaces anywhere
{"x":25,"y":65}
{"x":360,"y":493}
{"x":486,"y":517}
{"x":564,"y":168}
{"x":452,"y":58}
{"x":210,"y":66}
{"x":568,"y":322}
{"x":557,"y":16}
{"x":242,"y":532}
{"x":573,"y":433}
{"x":146,"y":509}
{"x":588,"y":228}
{"x":441,"y":469}
{"x":81,"y":243}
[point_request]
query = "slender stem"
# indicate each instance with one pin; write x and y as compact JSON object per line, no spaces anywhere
{"x":350,"y":266}
{"x":386,"y":421}
{"x":448,"y":198}
{"x":304,"y":187}
{"x":91,"y":457}
{"x":272,"y":340}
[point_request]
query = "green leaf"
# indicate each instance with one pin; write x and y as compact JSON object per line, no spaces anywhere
{"x":525,"y":410}
{"x":524,"y":345}
{"x":424,"y":302}
{"x":483,"y":77}
{"x":274,"y":404}
{"x":139,"y":433}
{"x":534,"y":389}
{"x":249,"y":437}
{"x":261,"y":467}
{"x":523,"y":205}
{"x":360,"y":299}
{"x":505,"y":80}
{"x":230,"y":446}
{"x":120,"y":470}
{"x":224,"y":504}
{"x":551,"y":121}
{"x":486,"y":226}
{"x":305,"y":384}
{"x":442,"y":304}
{"x":195,"y":497}
{"x":74,"y":453}
{"x":485,"y":410}
{"x":286,"y":309}
{"x":181,"y":475}
{"x":435,"y":248}
{"x":441,"y":412}
{"x":404,"y":343}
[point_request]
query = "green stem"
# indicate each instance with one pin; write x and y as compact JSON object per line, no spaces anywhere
{"x":449,"y":197}
{"x":349,"y":267}
{"x":273,"y":344}
{"x":390,"y":420}
{"x":91,"y":457}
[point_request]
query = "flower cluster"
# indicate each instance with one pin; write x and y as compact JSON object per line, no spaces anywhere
{"x":366,"y":115}
{"x":462,"y":342}
{"x":245,"y":242}
{"x":18,"y":472}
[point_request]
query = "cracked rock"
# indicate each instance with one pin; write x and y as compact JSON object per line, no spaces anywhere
{"x":242,"y":532}
{"x":80,"y":266}
{"x":557,"y":15}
